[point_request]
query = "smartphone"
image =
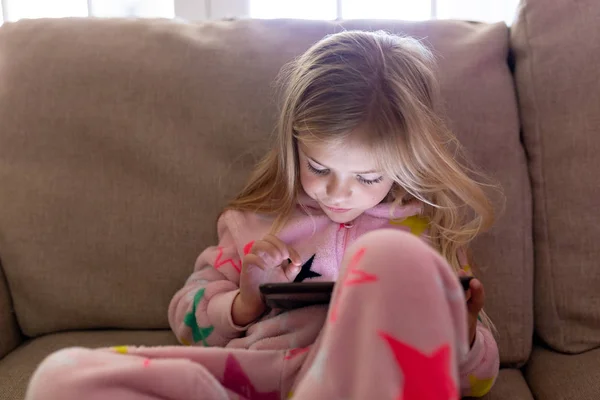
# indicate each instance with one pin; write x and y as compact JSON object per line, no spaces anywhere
{"x":465,"y":282}
{"x":288,"y":296}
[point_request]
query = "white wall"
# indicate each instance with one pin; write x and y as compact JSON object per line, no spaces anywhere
{"x":229,"y":8}
{"x":194,"y":10}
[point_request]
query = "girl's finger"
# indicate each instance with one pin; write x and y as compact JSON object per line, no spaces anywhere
{"x":290,"y":270}
{"x":468,"y":294}
{"x":477,"y":296}
{"x":279,"y":246}
{"x":291,"y":266}
{"x":268,"y":251}
{"x":294,"y":256}
{"x":253,"y":259}
{"x":259,"y":247}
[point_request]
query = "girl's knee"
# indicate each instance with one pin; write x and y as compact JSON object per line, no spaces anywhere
{"x":392,"y":251}
{"x":401,"y":263}
{"x":49,"y":375}
{"x":400,"y":260}
{"x":64,"y":358}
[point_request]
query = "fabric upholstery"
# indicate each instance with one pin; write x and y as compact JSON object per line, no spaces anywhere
{"x":509,"y":385}
{"x":557,"y":49}
{"x":555,"y":376}
{"x":121,"y":141}
{"x":10,"y":335}
{"x":17,"y":367}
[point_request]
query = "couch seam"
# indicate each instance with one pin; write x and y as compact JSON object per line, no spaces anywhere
{"x":543,"y":190}
{"x":12,"y":310}
{"x":525,"y":185}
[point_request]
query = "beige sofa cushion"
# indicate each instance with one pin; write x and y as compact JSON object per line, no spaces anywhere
{"x":18,"y":366}
{"x":509,"y":385}
{"x":557,"y":51}
{"x":16,"y":369}
{"x":10,"y":336}
{"x":555,"y":376}
{"x":121,"y":140}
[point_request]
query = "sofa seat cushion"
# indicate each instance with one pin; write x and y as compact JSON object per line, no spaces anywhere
{"x":17,"y":367}
{"x":558,"y":376}
{"x":510,"y":385}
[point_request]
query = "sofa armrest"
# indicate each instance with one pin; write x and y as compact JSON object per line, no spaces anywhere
{"x":10,"y":334}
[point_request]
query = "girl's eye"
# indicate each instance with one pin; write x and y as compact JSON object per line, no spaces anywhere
{"x":360,"y":178}
{"x":317,"y":171}
{"x":369,"y":181}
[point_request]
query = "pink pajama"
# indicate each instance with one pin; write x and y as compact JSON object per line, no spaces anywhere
{"x":395,"y":329}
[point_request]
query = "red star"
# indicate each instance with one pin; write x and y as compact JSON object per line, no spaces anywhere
{"x":248,"y":247}
{"x":219,"y":263}
{"x":425,"y":377}
{"x":236,"y":380}
{"x":294,"y":352}
{"x":353,"y":277}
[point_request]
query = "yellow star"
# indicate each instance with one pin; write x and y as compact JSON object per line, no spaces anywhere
{"x":467,"y":269}
{"x":184,"y":342}
{"x":120,"y":349}
{"x":480,"y":387}
{"x":290,"y":394}
{"x":416,"y":223}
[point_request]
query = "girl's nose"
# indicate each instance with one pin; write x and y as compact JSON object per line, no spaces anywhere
{"x":338,"y":191}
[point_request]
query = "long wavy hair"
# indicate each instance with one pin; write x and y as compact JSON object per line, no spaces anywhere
{"x":387,"y":84}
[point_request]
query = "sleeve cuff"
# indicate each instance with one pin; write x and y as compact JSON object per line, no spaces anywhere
{"x":477,"y":344}
{"x":471,"y":357}
{"x":219,"y":314}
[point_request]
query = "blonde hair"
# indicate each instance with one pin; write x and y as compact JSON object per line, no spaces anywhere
{"x":386,"y":84}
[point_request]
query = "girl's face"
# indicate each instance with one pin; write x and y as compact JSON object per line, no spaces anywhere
{"x":344,"y":179}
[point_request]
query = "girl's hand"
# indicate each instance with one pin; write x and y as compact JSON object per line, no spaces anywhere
{"x":475,"y":300}
{"x":267,"y":256}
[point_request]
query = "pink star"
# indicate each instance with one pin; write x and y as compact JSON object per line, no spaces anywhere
{"x":236,"y":380}
{"x":426,"y":377}
{"x":353,"y":277}
{"x":359,"y":276}
{"x":219,"y":263}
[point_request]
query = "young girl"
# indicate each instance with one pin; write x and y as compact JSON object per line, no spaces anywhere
{"x":361,"y":188}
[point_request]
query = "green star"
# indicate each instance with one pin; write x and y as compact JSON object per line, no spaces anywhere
{"x":198,"y":333}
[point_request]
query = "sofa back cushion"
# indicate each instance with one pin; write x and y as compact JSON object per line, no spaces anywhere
{"x":557,"y":53}
{"x":122,"y":140}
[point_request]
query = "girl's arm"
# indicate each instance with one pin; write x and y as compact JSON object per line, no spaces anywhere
{"x":200,"y":312}
{"x":479,"y":370}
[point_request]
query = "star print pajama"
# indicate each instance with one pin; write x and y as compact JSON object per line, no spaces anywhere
{"x":395,"y":329}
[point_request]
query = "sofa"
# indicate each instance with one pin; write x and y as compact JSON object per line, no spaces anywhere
{"x":121,"y":140}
